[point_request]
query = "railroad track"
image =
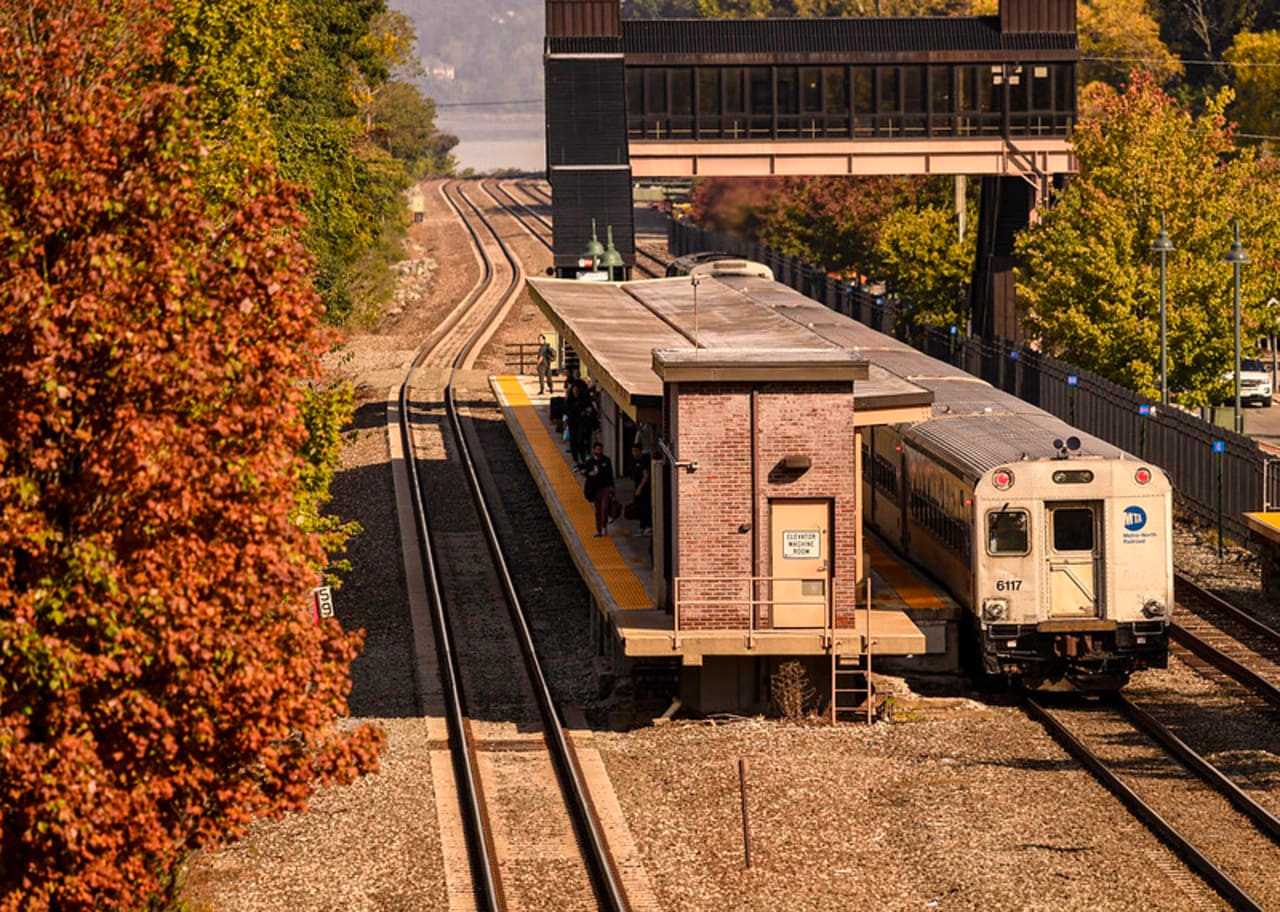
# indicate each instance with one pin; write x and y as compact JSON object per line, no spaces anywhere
{"x":1214,"y":827}
{"x":656,"y":266}
{"x":495,"y":714}
{"x":1217,"y":638}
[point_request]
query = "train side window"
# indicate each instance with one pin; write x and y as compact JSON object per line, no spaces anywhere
{"x":1008,"y":532}
{"x":1073,"y":529}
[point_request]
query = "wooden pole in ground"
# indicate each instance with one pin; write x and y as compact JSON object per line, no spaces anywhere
{"x":746,"y":818}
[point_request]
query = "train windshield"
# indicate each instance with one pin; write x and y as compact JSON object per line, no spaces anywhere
{"x":1007,"y":532}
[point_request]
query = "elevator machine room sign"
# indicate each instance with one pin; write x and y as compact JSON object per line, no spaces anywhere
{"x":801,"y":544}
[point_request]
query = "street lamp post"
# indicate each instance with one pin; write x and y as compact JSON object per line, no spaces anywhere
{"x":1163,"y":246}
{"x":1237,"y":257}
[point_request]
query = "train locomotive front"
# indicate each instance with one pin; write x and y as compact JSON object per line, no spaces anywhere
{"x":1058,"y":547}
{"x":1073,"y":578}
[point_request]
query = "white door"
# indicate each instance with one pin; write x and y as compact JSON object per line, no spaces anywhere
{"x":1074,"y":556}
{"x":801,"y":561}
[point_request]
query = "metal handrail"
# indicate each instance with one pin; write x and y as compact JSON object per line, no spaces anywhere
{"x":751,"y":630}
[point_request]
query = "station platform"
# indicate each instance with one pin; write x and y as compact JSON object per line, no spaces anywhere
{"x":618,"y":569}
{"x":1266,"y":526}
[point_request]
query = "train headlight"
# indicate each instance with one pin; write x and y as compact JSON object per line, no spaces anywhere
{"x":1153,"y":608}
{"x":995,"y":610}
{"x":1002,"y":479}
{"x":1142,"y":476}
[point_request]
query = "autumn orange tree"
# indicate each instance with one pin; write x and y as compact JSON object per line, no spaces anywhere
{"x":161,"y":681}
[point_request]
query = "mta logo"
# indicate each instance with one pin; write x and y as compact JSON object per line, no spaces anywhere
{"x":1134,"y":518}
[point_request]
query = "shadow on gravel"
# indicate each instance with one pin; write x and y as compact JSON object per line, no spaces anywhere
{"x":371,"y":598}
{"x":368,"y":416}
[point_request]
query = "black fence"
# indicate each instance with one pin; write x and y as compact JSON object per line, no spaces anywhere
{"x":1212,"y":469}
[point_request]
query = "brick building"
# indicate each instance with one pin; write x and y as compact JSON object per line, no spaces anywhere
{"x":756,"y":422}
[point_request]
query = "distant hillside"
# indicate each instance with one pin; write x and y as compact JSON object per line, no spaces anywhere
{"x":479,"y":50}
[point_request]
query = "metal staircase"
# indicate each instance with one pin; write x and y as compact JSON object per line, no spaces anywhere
{"x":852,"y":691}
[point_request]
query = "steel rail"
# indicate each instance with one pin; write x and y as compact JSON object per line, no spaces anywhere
{"x":605,"y":878}
{"x":1213,"y":875}
{"x":1218,"y":603}
{"x":480,"y":847}
{"x":1265,"y":821}
{"x":1202,"y":648}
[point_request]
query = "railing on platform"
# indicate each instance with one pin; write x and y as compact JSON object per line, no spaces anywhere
{"x":751,"y":602}
{"x":1180,"y":443}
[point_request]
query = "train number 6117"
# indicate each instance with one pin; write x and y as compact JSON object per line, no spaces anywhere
{"x":1008,"y":585}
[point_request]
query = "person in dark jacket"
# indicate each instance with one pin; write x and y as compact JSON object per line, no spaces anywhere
{"x":585,"y":424}
{"x":599,"y":486}
{"x":641,"y":467}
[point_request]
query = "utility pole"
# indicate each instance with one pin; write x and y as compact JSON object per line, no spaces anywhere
{"x":1237,"y":257}
{"x":1163,"y":246}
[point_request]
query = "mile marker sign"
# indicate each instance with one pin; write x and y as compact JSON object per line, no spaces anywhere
{"x":322,"y":596}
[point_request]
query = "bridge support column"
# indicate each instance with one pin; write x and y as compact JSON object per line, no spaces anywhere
{"x":1005,"y":209}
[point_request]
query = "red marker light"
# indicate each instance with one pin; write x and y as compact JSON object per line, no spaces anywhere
{"x":1002,"y":479}
{"x":1142,"y":476}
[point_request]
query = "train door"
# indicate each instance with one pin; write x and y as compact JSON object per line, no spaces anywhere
{"x":1074,"y":555}
{"x":801,"y":561}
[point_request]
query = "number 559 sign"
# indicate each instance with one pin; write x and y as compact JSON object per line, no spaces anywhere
{"x":321,"y":603}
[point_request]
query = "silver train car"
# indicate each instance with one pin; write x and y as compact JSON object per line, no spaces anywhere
{"x":1057,"y":545}
{"x":718,"y":265}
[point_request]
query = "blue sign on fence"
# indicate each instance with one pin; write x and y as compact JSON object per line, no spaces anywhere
{"x":1144,"y":410}
{"x":954,"y":329}
{"x":1073,"y":380}
{"x":1013,"y":355}
{"x":1219,"y":447}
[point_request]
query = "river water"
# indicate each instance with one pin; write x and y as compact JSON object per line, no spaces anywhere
{"x":489,"y":141}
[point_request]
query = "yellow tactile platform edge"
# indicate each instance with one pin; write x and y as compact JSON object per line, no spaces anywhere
{"x":914,"y":591}
{"x":624,"y":585}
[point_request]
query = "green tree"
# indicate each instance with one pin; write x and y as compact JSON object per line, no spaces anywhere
{"x":1089,"y":283}
{"x":403,"y":122}
{"x":929,"y":264}
{"x":1255,"y":58}
{"x":835,"y":222}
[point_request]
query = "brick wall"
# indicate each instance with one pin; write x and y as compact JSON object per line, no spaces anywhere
{"x":711,"y":424}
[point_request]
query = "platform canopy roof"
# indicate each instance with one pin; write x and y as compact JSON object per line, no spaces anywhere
{"x":617,"y":328}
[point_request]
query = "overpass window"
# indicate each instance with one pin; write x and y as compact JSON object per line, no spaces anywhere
{"x":1008,"y":532}
{"x":811,"y":90}
{"x":735,"y":96}
{"x":1016,"y":86}
{"x":940,"y":96}
{"x":635,"y":92}
{"x":836,"y":91}
{"x":708,"y":91}
{"x":788,"y":87}
{"x":913,"y":89}
{"x":1041,"y":88}
{"x":760,"y":94}
{"x":655,"y":91}
{"x":863,"y":97}
{"x":887,"y":96}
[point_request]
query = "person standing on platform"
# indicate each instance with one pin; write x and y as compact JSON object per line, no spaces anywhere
{"x":599,"y":487}
{"x":641,"y":467}
{"x":545,"y":356}
{"x":585,"y":425}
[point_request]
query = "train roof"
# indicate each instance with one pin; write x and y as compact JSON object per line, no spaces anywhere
{"x":975,"y":426}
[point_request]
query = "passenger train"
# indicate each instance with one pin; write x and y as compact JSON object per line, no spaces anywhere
{"x":1057,"y":545}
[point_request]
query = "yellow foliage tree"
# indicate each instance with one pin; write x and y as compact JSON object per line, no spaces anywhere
{"x":1126,"y":37}
{"x":1255,"y":59}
